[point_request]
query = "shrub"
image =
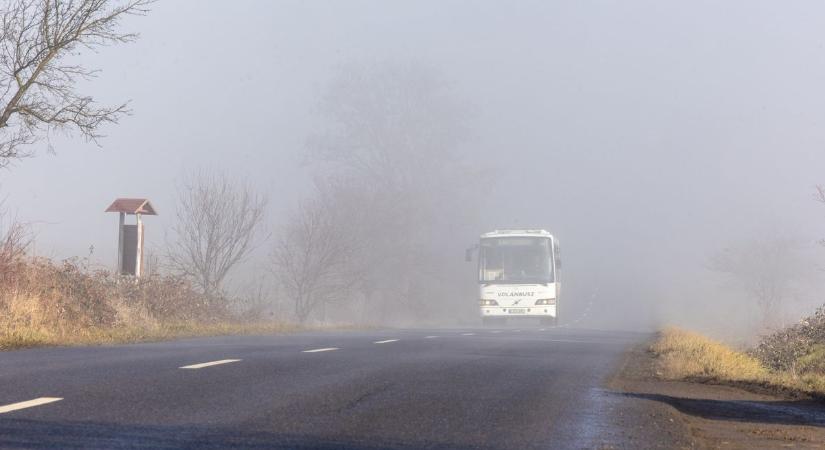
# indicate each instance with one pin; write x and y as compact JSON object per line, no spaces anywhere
{"x":813,"y":361}
{"x":785,"y":349}
{"x":44,"y":301}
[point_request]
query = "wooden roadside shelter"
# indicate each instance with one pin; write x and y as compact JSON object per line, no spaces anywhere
{"x":130,"y":237}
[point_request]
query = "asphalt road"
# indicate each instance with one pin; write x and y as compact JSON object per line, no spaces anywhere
{"x":446,"y":388}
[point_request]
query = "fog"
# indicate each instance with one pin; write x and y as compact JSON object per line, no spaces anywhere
{"x":647,"y":136}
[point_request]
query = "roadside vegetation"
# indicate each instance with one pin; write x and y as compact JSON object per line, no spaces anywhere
{"x":790,"y":361}
{"x":772,"y":273}
{"x":47,"y":303}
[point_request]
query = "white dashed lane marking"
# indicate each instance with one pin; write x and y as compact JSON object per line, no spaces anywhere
{"x":28,"y":404}
{"x":386,"y":341}
{"x":430,"y":337}
{"x":209,"y":364}
{"x":468,"y":334}
{"x":580,"y":341}
{"x":328,"y":349}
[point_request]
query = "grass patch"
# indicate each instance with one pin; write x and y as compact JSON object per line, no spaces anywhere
{"x":684,"y":354}
{"x":689,"y":356}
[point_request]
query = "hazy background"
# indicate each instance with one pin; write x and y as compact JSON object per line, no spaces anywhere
{"x":646,"y":135}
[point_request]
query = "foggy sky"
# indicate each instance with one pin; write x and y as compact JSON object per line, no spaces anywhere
{"x":645,"y":134}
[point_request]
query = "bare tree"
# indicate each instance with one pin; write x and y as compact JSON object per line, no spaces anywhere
{"x":398,"y":125}
{"x":313,"y":259}
{"x":37,"y":80}
{"x":15,"y":239}
{"x":218,"y":225}
{"x":769,"y":270}
{"x":394,"y":141}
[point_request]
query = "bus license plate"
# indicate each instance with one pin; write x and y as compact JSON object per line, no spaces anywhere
{"x":516,"y":310}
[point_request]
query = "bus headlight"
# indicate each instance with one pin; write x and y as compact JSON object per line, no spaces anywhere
{"x":546,"y":301}
{"x":484,"y":302}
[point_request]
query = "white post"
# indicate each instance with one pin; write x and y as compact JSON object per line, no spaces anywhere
{"x":122,"y":222}
{"x":139,"y":252}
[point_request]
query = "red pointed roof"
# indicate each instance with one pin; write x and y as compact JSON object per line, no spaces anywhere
{"x":132,"y":206}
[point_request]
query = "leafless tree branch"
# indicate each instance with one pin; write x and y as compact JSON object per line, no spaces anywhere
{"x":37,"y":84}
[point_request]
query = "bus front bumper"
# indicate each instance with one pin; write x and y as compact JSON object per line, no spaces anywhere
{"x":528,"y":311}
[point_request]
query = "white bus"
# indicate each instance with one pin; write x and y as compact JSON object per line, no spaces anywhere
{"x":518,"y":274}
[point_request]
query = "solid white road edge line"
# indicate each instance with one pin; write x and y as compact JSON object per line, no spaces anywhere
{"x":208,"y":364}
{"x":28,"y":404}
{"x":328,"y":349}
{"x":386,"y":341}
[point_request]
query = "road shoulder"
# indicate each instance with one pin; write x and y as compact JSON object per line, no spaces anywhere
{"x":712,"y":416}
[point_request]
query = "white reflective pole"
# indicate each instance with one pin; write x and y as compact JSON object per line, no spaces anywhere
{"x":122,"y":222}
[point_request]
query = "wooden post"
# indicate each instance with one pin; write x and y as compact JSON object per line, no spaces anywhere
{"x":120,"y":243}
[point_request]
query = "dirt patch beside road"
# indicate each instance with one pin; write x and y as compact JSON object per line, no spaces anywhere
{"x":715,"y":416}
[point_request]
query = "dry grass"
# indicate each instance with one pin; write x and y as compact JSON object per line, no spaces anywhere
{"x":44,"y":303}
{"x":23,"y":337}
{"x":685,"y":355}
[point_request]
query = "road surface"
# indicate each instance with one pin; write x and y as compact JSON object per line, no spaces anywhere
{"x":436,"y":388}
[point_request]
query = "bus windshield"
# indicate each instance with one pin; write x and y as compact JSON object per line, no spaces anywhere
{"x":516,"y":260}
